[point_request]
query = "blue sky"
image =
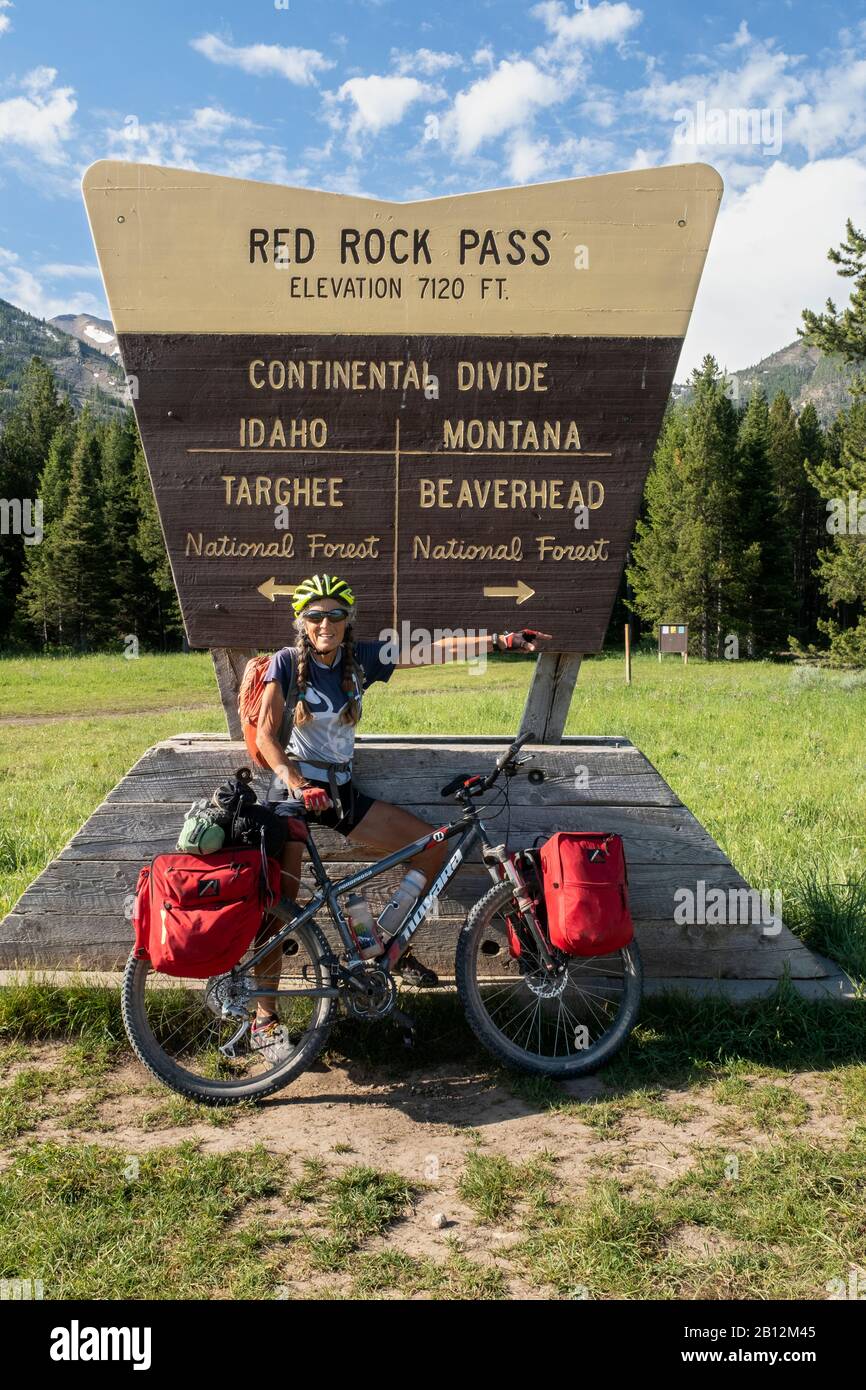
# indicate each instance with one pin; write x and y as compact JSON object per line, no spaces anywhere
{"x":399,"y":99}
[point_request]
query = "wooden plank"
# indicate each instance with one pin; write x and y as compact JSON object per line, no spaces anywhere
{"x":104,"y":886}
{"x":651,"y":834}
{"x":404,"y":761}
{"x":76,"y":911}
{"x":229,"y":663}
{"x":102,"y":941}
{"x":549,"y":696}
{"x":576,"y":786}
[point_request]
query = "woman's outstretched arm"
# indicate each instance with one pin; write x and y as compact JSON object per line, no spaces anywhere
{"x":457,"y":646}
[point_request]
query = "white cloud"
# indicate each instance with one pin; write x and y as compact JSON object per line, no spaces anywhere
{"x":768,"y":260}
{"x":504,"y":101}
{"x":837,"y":114}
{"x":483,"y":57}
{"x":210,"y":140}
{"x":760,"y":89}
{"x":742,"y":37}
{"x":531,"y":160}
{"x":25,"y":289}
{"x":212,"y":120}
{"x":527,"y":159}
{"x":645,"y":159}
{"x":378,"y":102}
{"x":60,"y":271}
{"x":601,"y":111}
{"x":5,"y":21}
{"x":41,"y":120}
{"x":298,"y":65}
{"x":425,"y":60}
{"x":763,"y":80}
{"x":588,"y":26}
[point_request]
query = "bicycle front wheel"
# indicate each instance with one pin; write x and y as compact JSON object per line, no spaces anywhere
{"x":565,"y":1026}
{"x":195,"y":1035}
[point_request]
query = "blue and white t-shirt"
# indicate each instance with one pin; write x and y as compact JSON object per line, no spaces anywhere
{"x":324,"y":737}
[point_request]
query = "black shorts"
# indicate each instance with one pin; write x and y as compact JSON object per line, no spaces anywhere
{"x":354,"y":805}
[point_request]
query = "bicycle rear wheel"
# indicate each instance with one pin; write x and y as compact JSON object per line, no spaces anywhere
{"x":565,"y":1026}
{"x":194,"y":1035}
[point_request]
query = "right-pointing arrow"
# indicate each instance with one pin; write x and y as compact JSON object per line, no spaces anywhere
{"x":520,"y":591}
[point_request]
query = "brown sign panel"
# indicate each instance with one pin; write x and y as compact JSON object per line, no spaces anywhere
{"x":673,"y":637}
{"x":453,"y":404}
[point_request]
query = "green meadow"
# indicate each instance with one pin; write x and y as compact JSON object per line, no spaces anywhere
{"x":771,"y":758}
{"x":720,"y":1155}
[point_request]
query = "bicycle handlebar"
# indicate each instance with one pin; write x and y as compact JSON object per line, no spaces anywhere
{"x":483,"y":784}
{"x":510,"y":752}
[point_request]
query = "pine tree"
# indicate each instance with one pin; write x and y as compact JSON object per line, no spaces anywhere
{"x":30,"y":426}
{"x":812,"y":534}
{"x":159,"y":613}
{"x":40,"y":598}
{"x":843,"y":333}
{"x":689,"y":561}
{"x":841,"y":479}
{"x":758,"y":512}
{"x":788,"y":480}
{"x":842,"y":474}
{"x":120,"y":513}
{"x":76,"y":553}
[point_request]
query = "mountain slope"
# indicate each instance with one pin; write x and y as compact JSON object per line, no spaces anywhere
{"x":802,"y":372}
{"x":87,"y":328}
{"x":83,"y":371}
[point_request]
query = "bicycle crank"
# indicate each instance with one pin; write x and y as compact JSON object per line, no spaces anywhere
{"x":372,"y":993}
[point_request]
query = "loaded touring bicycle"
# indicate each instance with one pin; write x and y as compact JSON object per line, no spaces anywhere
{"x":545,"y":992}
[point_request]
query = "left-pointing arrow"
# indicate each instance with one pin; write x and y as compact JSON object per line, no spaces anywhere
{"x":271,"y":588}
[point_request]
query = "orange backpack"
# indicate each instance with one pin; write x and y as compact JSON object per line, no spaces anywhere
{"x":250,"y":704}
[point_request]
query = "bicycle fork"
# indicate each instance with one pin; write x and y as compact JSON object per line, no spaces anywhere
{"x":497,"y":855}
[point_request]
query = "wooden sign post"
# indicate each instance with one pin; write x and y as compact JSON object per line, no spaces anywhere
{"x":453,"y":404}
{"x":674,"y":637}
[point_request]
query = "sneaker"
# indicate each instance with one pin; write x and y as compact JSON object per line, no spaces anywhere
{"x":271,"y":1038}
{"x":412,"y":971}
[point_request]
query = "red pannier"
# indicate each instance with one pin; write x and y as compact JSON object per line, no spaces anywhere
{"x":586,"y":893}
{"x":196,"y":914}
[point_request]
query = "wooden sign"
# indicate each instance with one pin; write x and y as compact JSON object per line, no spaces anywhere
{"x":453,"y":403}
{"x":673,"y":637}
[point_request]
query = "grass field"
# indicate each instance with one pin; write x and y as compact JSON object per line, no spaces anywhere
{"x":770,"y":758}
{"x":721,"y":1155}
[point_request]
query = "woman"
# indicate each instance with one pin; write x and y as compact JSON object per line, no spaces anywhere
{"x":329,"y":671}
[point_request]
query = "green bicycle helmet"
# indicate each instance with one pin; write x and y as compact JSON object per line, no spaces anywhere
{"x":321,"y":586}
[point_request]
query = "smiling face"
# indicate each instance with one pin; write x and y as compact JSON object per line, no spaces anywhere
{"x":325,"y":625}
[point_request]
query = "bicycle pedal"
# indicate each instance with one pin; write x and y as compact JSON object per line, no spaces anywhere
{"x":406,"y":1021}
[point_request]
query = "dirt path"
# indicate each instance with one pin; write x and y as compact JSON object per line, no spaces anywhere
{"x":424,"y":1124}
{"x":103,"y":714}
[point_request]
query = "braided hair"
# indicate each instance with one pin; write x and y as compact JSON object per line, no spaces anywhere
{"x":352,"y":679}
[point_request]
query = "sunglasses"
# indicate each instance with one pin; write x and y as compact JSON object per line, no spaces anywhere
{"x":318,"y":615}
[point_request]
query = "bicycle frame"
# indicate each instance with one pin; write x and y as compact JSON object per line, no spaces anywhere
{"x":469,"y":828}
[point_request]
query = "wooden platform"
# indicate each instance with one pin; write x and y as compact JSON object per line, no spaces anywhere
{"x":75,"y":915}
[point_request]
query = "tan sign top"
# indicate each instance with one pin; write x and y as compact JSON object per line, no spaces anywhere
{"x":617,"y":255}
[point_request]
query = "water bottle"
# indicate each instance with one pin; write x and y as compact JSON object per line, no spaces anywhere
{"x":363,"y":927}
{"x":392,"y":917}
